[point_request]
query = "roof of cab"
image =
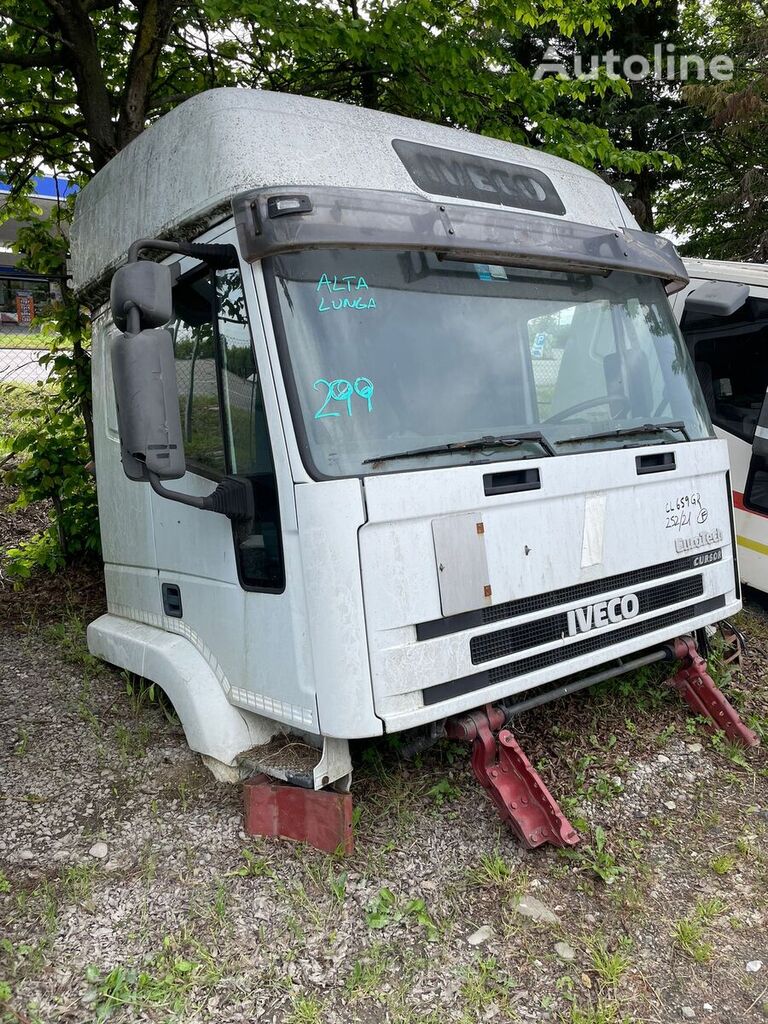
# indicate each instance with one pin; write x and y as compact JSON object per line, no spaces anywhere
{"x":726,"y":270}
{"x":178,"y":177}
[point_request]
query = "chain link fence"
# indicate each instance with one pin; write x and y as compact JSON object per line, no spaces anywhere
{"x":20,"y":373}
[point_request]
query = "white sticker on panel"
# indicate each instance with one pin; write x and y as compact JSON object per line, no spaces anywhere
{"x":594,"y":530}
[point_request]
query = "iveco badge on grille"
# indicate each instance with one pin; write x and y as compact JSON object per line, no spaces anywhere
{"x":602,"y":613}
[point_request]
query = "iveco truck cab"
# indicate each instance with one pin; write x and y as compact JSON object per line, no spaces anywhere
{"x":723,"y":314}
{"x":393,"y":422}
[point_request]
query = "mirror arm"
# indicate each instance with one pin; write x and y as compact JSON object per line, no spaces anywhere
{"x":217,"y":256}
{"x":133,"y":314}
{"x":232,"y":498}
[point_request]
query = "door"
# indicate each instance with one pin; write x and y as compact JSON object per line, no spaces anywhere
{"x":219,"y":580}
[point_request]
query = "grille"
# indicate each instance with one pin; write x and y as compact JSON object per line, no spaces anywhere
{"x":479,"y":680}
{"x":553,"y":598}
{"x":543,"y":631}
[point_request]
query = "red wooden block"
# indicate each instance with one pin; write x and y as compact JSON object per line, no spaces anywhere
{"x":321,"y":818}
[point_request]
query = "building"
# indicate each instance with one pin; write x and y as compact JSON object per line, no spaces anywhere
{"x":24,"y":294}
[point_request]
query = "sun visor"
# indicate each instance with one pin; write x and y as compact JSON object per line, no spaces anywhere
{"x":278,"y":220}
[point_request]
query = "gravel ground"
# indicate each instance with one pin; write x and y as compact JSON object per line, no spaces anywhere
{"x":129,"y":891}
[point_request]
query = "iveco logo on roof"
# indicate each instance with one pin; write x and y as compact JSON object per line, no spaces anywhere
{"x":602,"y":613}
{"x":443,"y":172}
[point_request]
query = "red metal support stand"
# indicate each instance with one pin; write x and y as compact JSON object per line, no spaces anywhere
{"x":511,"y":781}
{"x":697,"y":687}
{"x":321,"y":818}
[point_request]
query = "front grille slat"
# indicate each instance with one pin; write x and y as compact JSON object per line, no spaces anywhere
{"x":513,"y":639}
{"x":566,"y":595}
{"x":558,"y":655}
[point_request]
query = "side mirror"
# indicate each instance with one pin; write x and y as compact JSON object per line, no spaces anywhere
{"x":148,"y":418}
{"x":144,"y":373}
{"x":717,"y":298}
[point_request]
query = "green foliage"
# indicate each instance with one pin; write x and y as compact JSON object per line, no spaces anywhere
{"x":720,"y":205}
{"x":51,"y":434}
{"x":386,"y":909}
{"x":689,"y":931}
{"x":596,"y":857}
{"x":443,"y":792}
{"x":52,"y":451}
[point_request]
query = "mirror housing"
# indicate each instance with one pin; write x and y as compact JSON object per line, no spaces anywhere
{"x":145,"y":287}
{"x":148,"y":417}
{"x":717,"y":298}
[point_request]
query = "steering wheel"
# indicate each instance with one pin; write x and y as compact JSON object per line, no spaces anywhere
{"x":590,"y":403}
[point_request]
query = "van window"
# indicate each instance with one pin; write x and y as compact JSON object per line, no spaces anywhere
{"x":222,"y":410}
{"x":730,"y":356}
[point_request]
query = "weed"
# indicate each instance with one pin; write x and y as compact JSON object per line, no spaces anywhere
{"x":22,"y":743}
{"x":689,"y":935}
{"x":142,"y":693}
{"x":597,"y":858}
{"x":610,"y":967}
{"x":77,"y":883}
{"x":733,"y":751}
{"x":483,"y":985}
{"x":183,"y":795}
{"x":723,"y":863}
{"x":444,"y":792}
{"x":338,"y":884}
{"x":689,"y":931}
{"x":493,"y":870}
{"x":744,"y":846}
{"x":69,"y":636}
{"x":599,"y":1013}
{"x":665,"y":735}
{"x":133,"y":742}
{"x":367,"y":973}
{"x":385,"y":909}
{"x":5,"y":885}
{"x":254,"y":867}
{"x":219,"y":904}
{"x":306,"y":1010}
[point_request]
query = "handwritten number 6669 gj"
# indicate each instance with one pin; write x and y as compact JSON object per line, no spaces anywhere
{"x":342,"y":391}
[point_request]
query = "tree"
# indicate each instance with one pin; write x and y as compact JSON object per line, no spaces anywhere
{"x":82,"y":78}
{"x":719,"y":204}
{"x":644,"y":115}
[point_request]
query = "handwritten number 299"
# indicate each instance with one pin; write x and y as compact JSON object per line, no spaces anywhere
{"x":342,"y":391}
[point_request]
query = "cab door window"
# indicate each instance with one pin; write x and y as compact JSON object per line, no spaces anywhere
{"x":730,"y":355}
{"x":222,"y":410}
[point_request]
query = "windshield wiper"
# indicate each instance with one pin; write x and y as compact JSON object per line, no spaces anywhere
{"x":476,"y":444}
{"x":644,"y":428}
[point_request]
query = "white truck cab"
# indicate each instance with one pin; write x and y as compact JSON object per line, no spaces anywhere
{"x":392,"y":422}
{"x":723,"y":314}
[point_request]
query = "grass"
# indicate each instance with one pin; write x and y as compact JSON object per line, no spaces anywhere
{"x":610,"y":966}
{"x":689,"y":932}
{"x":14,"y":340}
{"x":305,"y":1010}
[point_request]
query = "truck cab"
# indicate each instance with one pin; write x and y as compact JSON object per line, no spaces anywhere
{"x":431,"y":438}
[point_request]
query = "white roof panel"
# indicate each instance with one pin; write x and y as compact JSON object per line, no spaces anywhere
{"x":178,"y":177}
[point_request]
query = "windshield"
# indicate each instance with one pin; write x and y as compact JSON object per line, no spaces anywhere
{"x":388,"y":353}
